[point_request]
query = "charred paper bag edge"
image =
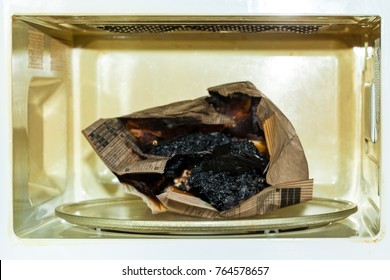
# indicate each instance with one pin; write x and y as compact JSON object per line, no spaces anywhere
{"x":115,"y":146}
{"x":287,"y":158}
{"x":269,"y":199}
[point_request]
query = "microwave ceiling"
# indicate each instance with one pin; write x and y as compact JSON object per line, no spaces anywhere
{"x":121,"y":27}
{"x":226,"y":28}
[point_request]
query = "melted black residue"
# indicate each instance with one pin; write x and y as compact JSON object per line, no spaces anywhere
{"x":224,"y":170}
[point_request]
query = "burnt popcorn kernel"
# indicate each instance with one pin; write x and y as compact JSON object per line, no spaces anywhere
{"x":236,"y":157}
{"x":189,"y":143}
{"x":222,"y":190}
{"x":232,"y":173}
{"x":221,"y":170}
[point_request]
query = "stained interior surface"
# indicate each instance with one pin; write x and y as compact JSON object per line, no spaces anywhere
{"x":68,"y":71}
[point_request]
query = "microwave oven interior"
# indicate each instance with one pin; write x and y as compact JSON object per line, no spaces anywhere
{"x":323,"y":72}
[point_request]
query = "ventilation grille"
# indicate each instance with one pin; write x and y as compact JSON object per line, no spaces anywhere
{"x":238,"y":28}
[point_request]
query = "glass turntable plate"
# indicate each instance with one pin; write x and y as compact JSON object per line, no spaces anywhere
{"x":132,"y":215}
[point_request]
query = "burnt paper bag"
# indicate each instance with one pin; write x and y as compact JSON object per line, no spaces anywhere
{"x":232,"y":116}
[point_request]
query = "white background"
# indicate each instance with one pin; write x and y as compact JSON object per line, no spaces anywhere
{"x":65,"y":270}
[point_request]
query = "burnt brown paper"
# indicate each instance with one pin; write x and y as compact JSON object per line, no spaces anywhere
{"x":119,"y":143}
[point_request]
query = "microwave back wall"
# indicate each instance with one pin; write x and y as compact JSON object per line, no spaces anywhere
{"x":64,"y":71}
